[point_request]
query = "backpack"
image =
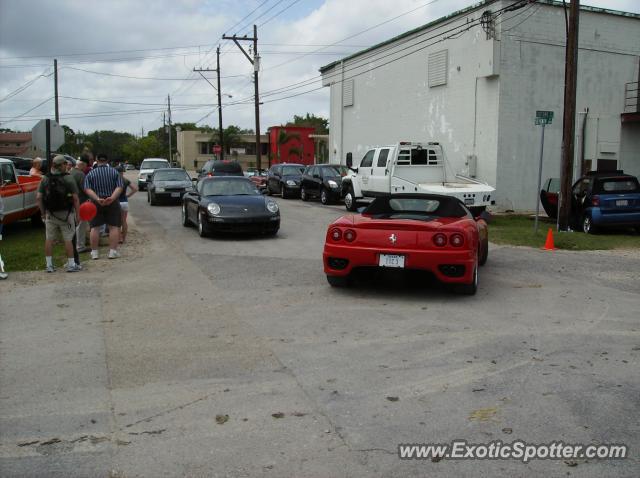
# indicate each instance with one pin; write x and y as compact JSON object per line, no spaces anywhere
{"x":57,"y":196}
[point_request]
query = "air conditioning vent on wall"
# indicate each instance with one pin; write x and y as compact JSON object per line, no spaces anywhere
{"x":438,"y":65}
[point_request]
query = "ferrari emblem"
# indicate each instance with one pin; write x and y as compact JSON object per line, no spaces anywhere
{"x":393,"y":238}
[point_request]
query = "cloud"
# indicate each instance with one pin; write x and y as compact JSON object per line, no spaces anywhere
{"x":78,"y":31}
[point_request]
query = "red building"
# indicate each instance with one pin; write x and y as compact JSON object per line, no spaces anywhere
{"x":291,"y":144}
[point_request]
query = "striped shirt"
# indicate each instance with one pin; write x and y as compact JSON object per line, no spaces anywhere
{"x":103,"y":180}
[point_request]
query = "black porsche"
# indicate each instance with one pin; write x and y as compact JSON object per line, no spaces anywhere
{"x":229,"y":204}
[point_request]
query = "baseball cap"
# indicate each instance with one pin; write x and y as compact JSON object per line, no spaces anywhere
{"x":59,"y":160}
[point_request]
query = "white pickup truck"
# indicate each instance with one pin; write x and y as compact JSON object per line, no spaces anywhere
{"x":411,"y":167}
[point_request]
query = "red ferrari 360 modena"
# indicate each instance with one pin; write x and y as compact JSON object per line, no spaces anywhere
{"x":411,"y":231}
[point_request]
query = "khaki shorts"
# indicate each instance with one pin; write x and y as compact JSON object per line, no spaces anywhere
{"x":55,"y":225}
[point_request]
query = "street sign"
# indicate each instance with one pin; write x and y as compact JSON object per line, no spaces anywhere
{"x":544,"y":117}
{"x":39,"y":135}
{"x":217,"y":149}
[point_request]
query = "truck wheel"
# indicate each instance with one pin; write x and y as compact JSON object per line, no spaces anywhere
{"x":350,"y":200}
{"x":476,"y":211}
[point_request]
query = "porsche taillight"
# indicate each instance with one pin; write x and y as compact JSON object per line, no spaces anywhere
{"x":456,"y":240}
{"x":440,"y":240}
{"x":336,"y":234}
{"x":349,"y":235}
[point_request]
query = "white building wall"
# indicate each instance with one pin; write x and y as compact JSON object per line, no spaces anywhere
{"x":394,"y":102}
{"x":532,"y":78}
{"x":492,"y":115}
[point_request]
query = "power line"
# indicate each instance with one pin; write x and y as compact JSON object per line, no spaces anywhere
{"x":28,"y":111}
{"x":361,"y":32}
{"x":26,"y":85}
{"x":360,"y":63}
{"x":281,"y":11}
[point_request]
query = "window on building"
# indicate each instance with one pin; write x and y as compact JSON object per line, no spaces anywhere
{"x":203,"y":148}
{"x":438,"y":64}
{"x":347,"y":92}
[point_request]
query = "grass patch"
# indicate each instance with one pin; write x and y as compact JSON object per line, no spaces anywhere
{"x":22,"y":248}
{"x":517,"y":230}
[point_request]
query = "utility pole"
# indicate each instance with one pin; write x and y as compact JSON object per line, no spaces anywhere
{"x":169,"y":117}
{"x":55,"y":86}
{"x":217,"y":70}
{"x":255,"y":61}
{"x":569,"y":120}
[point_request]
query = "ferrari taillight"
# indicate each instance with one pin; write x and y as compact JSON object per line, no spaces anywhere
{"x":349,"y":235}
{"x":456,"y":240}
{"x":336,"y":234}
{"x":440,"y":240}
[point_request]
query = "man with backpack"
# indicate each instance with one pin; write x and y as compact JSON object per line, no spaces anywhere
{"x":58,"y":201}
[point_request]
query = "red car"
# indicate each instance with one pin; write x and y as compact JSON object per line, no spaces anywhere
{"x":413,"y":231}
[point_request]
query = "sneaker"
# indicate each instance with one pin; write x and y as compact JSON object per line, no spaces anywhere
{"x":94,"y":254}
{"x":50,"y":269}
{"x":114,"y":254}
{"x":73,"y":268}
{"x":3,"y":275}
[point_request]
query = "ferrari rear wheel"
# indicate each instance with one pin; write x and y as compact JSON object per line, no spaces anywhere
{"x":472,"y":288}
{"x":338,"y":281}
{"x":483,"y":254}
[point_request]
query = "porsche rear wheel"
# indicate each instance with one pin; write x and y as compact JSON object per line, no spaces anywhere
{"x":203,"y":229}
{"x":338,"y":281}
{"x":472,"y":288}
{"x":185,"y":217}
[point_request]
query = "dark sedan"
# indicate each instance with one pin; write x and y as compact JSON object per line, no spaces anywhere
{"x":229,"y":204}
{"x":323,"y":181}
{"x":168,"y":184}
{"x":285,"y":179}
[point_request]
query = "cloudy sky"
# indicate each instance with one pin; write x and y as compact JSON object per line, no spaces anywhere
{"x":119,"y":59}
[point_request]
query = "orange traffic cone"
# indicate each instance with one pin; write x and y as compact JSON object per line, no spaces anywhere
{"x":548,"y":245}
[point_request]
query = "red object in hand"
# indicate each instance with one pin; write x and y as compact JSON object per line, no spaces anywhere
{"x":87,"y":211}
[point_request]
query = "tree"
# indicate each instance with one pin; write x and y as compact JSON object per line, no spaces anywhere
{"x":320,"y":124}
{"x":138,"y":149}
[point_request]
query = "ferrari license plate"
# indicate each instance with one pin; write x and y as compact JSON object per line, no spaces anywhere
{"x":622,"y":202}
{"x":175,"y":195}
{"x":391,"y":260}
{"x":468,"y":201}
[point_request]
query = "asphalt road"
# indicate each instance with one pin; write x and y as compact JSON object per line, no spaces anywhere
{"x":233,"y":357}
